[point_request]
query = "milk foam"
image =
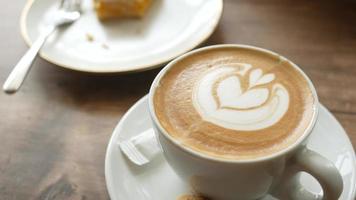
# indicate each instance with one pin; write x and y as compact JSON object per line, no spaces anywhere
{"x":220,"y":98}
{"x":234,"y":103}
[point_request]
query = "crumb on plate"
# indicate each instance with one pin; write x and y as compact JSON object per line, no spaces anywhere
{"x":90,"y":37}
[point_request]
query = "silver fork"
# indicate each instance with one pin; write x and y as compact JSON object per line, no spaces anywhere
{"x":68,"y":12}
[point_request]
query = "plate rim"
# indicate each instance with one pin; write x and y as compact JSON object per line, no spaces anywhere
{"x":138,"y":68}
{"x":118,"y":127}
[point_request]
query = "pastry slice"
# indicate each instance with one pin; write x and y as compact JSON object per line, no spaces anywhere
{"x":108,"y":9}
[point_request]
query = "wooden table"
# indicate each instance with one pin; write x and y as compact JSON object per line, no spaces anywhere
{"x":55,"y":130}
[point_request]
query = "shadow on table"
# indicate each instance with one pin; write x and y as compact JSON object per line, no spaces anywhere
{"x":89,"y":91}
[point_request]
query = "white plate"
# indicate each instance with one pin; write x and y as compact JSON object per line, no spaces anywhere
{"x":157,"y":181}
{"x":170,"y":28}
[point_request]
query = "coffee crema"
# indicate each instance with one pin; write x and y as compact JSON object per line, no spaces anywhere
{"x":234,"y":103}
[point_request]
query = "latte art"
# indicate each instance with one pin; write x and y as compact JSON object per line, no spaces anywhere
{"x":220,"y":98}
{"x":234,"y":103}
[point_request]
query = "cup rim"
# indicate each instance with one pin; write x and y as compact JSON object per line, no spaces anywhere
{"x":195,"y":153}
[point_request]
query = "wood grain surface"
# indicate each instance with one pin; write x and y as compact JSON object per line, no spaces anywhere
{"x":55,"y":130}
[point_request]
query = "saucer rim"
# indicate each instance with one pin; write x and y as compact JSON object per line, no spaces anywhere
{"x":118,"y":129}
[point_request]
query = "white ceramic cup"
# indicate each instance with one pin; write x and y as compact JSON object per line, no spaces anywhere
{"x":276,"y":174}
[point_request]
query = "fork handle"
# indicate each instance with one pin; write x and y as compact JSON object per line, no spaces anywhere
{"x":18,"y":74}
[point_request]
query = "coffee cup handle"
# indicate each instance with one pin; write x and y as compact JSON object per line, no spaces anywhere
{"x":316,"y":165}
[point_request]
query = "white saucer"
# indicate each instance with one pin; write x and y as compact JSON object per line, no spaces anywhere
{"x":157,"y":181}
{"x":169,"y":29}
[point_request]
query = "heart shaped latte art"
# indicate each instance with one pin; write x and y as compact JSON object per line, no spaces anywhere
{"x":220,"y":98}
